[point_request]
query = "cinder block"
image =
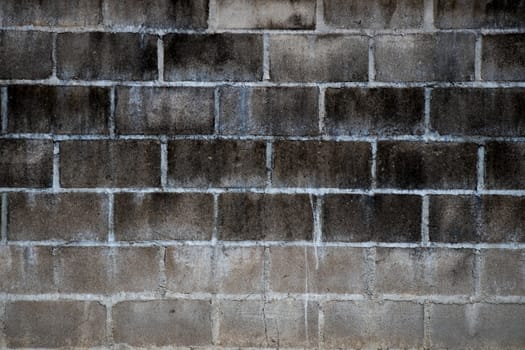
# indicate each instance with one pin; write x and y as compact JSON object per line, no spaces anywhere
{"x":27,"y":270}
{"x":505,"y":165}
{"x":283,"y":323}
{"x":273,"y":217}
{"x":97,"y":270}
{"x":480,"y":326}
{"x":503,"y":219}
{"x":51,"y":324}
{"x":18,"y":50}
{"x":377,"y":325}
{"x":321,"y":164}
{"x":453,"y":219}
{"x":434,"y":165}
{"x":374,"y":14}
{"x":330,"y":57}
{"x":239,"y":270}
{"x":215,"y":57}
{"x":165,"y":111}
{"x":64,"y":216}
{"x":106,"y":56}
{"x":216,"y":163}
{"x":207,"y":269}
{"x":484,"y":112}
{"x":376,"y":111}
{"x":424,"y":271}
{"x":379,"y":218}
{"x":162,"y":323}
{"x":502,"y":272}
{"x":58,"y":109}
{"x":26,"y":163}
{"x":61,"y":13}
{"x":101,"y":270}
{"x":110,"y":163}
{"x":317,"y":270}
{"x":425,"y":57}
{"x":266,"y":14}
{"x":269,"y":111}
{"x":163,"y":14}
{"x":503,"y":57}
{"x":163,"y":216}
{"x":491,"y":219}
{"x":478,"y":14}
{"x":189,"y":269}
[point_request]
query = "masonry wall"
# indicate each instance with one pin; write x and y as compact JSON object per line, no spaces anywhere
{"x":262,"y":174}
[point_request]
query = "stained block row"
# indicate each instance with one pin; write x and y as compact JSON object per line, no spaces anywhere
{"x":276,"y":111}
{"x":239,"y":57}
{"x":257,"y":216}
{"x":240,"y":270}
{"x":269,"y":14}
{"x":229,"y":163}
{"x":252,"y":323}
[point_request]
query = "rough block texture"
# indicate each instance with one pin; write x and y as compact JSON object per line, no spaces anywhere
{"x":204,"y":269}
{"x":164,"y":14}
{"x":374,"y":14}
{"x":420,"y":57}
{"x":26,"y":163}
{"x":503,"y":57}
{"x":317,"y":270}
{"x":268,"y":324}
{"x":90,"y":56}
{"x":262,"y":174}
{"x":273,"y":217}
{"x":383,"y":218}
{"x":60,"y":13}
{"x":43,"y":217}
{"x":217,"y":163}
{"x":329,"y":57}
{"x":478,"y":325}
{"x":223,"y":57}
{"x":379,"y":111}
{"x":270,"y":14}
{"x":321,"y":164}
{"x":58,"y":109}
{"x":18,"y":51}
{"x":505,"y":165}
{"x":415,"y":165}
{"x":493,"y":219}
{"x":424,"y":271}
{"x":354,"y":324}
{"x":56,"y":324}
{"x":110,"y":163}
{"x":163,"y":322}
{"x":163,"y":216}
{"x":171,"y":111}
{"x":484,"y":112}
{"x":269,"y":111}
{"x":479,"y":14}
{"x":502,"y":272}
{"x":97,"y":270}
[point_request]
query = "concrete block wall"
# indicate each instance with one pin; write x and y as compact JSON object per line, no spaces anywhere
{"x":225,"y":174}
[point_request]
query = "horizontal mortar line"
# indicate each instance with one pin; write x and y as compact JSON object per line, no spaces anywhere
{"x":453,"y":299}
{"x":434,"y":137}
{"x":265,"y":190}
{"x":169,"y":347}
{"x":349,"y":84}
{"x":233,"y":244}
{"x":111,"y":299}
{"x":316,"y":31}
